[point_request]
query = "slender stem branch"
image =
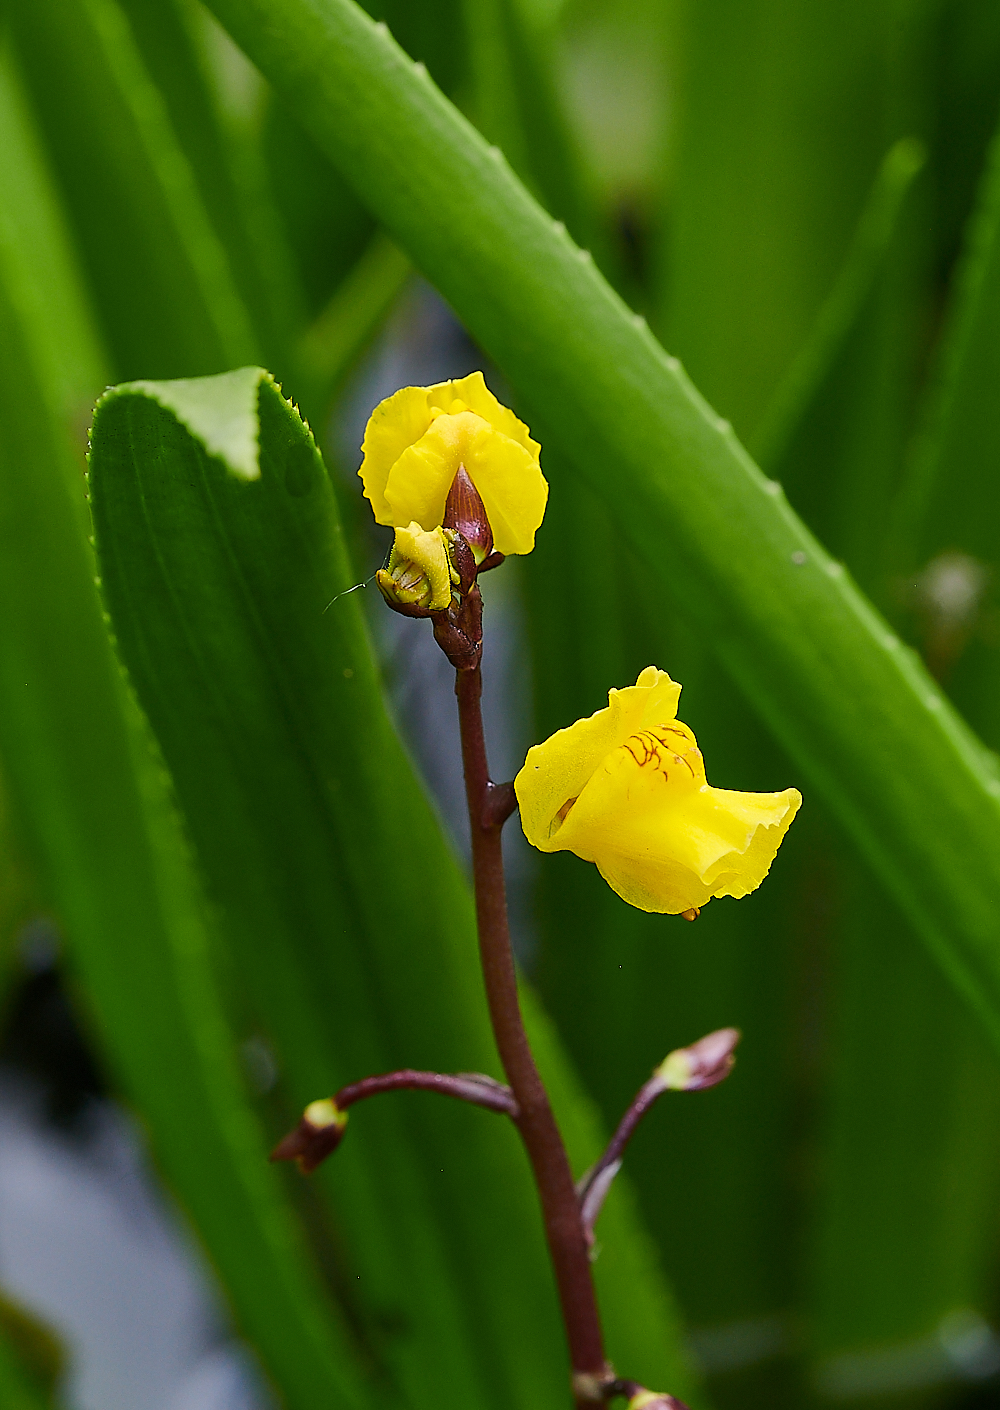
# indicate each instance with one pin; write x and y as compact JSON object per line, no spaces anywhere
{"x":323,"y":1123}
{"x":594,"y":1186}
{"x":466,"y":1086}
{"x":535,"y":1121}
{"x":499,"y":804}
{"x":695,"y":1068}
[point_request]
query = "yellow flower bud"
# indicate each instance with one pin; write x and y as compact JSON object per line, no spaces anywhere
{"x":415,"y":442}
{"x":626,"y":789}
{"x":419,"y":572}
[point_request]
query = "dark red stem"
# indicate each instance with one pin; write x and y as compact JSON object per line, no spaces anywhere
{"x":535,"y":1121}
{"x":466,"y":1086}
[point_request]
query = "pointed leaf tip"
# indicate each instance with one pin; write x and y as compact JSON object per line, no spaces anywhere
{"x":219,"y":411}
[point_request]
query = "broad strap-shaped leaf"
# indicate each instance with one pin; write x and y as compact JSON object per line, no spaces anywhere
{"x":908,"y":1164}
{"x":166,"y":294}
{"x":332,"y":343}
{"x":838,"y":315}
{"x":103,"y":834}
{"x":41,"y":267}
{"x":343,"y":906}
{"x":175,"y":43}
{"x":950,"y":499}
{"x":908,"y":1171}
{"x":755,"y":240}
{"x":866,"y":724}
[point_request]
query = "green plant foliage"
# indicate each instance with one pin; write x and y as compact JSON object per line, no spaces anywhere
{"x":20,"y":1391}
{"x":683,"y":488}
{"x":41,"y":269}
{"x":112,"y":864}
{"x":167,"y":297}
{"x":343,"y":907}
{"x":205,"y":787}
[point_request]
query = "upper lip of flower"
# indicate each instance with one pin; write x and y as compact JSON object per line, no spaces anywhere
{"x":416,"y":440}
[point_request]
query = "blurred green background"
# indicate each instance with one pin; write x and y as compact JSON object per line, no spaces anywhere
{"x":802,"y":198}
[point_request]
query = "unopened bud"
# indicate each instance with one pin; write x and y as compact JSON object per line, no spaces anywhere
{"x":703,"y":1064}
{"x":419,"y":576}
{"x":465,"y":512}
{"x":324,"y":1113}
{"x":317,"y":1135}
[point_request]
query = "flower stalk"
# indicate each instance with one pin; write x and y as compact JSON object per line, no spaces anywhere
{"x":535,"y":1120}
{"x":458,"y":478}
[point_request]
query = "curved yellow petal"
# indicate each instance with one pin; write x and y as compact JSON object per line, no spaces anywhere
{"x":556,"y":772}
{"x":421,"y":477}
{"x":473,"y":391}
{"x":397,"y":422}
{"x":512,"y":487}
{"x":739,"y":873}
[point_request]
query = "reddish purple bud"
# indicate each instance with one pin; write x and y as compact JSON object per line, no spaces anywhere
{"x":703,"y":1064}
{"x":465,"y":512}
{"x":317,"y":1135}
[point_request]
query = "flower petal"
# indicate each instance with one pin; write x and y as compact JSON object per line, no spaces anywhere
{"x":512,"y":487}
{"x":419,"y":481}
{"x":397,"y":422}
{"x":558,"y":770}
{"x":666,"y":842}
{"x":771,"y":814}
{"x":473,"y":391}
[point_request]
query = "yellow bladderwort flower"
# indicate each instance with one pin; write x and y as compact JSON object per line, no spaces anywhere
{"x":417,"y":439}
{"x":626,"y":789}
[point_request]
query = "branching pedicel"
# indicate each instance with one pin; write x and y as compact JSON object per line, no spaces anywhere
{"x":457,"y":476}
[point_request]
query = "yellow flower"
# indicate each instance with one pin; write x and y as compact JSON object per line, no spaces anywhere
{"x":415,"y":442}
{"x":626,"y":789}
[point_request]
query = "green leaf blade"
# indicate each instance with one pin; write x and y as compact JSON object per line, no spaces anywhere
{"x":343,"y":905}
{"x":164,"y":287}
{"x":112,"y":862}
{"x":919,"y":795}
